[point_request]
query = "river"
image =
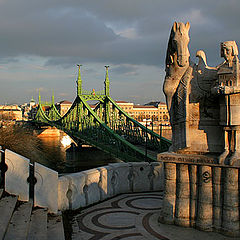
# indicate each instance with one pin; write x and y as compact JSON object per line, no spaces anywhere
{"x":62,"y":155}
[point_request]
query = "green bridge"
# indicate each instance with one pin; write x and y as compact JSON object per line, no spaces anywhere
{"x":106,"y":127}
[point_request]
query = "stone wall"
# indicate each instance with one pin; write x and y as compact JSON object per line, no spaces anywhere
{"x":20,"y":173}
{"x":76,"y":190}
{"x":81,"y":189}
{"x":202,"y":196}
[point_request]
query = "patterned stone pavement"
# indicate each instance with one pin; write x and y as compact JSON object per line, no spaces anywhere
{"x":131,"y":217}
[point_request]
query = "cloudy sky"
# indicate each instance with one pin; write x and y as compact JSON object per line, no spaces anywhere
{"x":41,"y":41}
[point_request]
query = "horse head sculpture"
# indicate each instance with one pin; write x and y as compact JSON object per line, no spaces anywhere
{"x":178,"y":45}
{"x":177,"y":59}
{"x":193,"y":110}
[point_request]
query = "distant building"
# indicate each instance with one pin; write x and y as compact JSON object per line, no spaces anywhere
{"x":63,"y":107}
{"x":32,"y":103}
{"x":10,"y":112}
{"x":156,"y":111}
{"x":29,"y":109}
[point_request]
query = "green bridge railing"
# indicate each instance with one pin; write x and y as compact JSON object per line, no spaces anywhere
{"x":107,"y":127}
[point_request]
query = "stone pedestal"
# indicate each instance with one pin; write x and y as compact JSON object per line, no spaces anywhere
{"x":200,"y":193}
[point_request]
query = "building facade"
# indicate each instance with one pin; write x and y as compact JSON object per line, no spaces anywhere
{"x":157,"y":112}
{"x":10,"y":112}
{"x":63,"y":107}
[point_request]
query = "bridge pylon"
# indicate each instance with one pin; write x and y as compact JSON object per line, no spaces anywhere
{"x":106,"y":126}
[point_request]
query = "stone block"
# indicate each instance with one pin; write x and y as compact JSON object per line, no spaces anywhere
{"x":230,"y":218}
{"x":231,"y":179}
{"x":168,"y":210}
{"x":70,"y":191}
{"x":91,"y":187}
{"x":204,"y":218}
{"x":120,"y":180}
{"x":217,"y":218}
{"x":158,"y":176}
{"x":46,"y":188}
{"x":182,"y":173}
{"x":16,"y":175}
{"x":183,"y":190}
{"x":231,"y":198}
{"x":193,"y":174}
{"x":170,"y":188}
{"x":106,"y":182}
{"x":182,"y":209}
{"x":63,"y":188}
{"x":76,"y":195}
{"x":141,"y":175}
{"x":170,"y":171}
{"x":193,"y":194}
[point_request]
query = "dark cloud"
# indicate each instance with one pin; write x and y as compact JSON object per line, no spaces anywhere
{"x":65,"y":31}
{"x":123,"y":34}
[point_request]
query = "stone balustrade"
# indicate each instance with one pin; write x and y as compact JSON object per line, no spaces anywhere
{"x":18,"y":177}
{"x":84,"y":188}
{"x":204,"y":196}
{"x":75,"y":190}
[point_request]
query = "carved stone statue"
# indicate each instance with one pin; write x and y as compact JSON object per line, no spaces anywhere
{"x":194,"y":111}
{"x":228,"y":88}
{"x":204,"y":107}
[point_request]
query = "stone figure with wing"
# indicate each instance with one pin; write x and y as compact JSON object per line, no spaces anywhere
{"x":194,"y":111}
{"x":228,"y":89}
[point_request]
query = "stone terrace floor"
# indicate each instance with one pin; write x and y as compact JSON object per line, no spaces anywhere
{"x":130,"y":217}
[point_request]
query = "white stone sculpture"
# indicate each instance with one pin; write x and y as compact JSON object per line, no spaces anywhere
{"x":194,"y":111}
{"x":228,"y":89}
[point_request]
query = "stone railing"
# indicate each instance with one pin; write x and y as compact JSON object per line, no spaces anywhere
{"x":85,"y":188}
{"x":204,"y":196}
{"x":29,"y":180}
{"x":75,"y":190}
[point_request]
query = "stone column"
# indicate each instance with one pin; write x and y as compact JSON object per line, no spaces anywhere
{"x":183,"y":196}
{"x":205,"y":210}
{"x":230,"y":218}
{"x":193,"y":194}
{"x":168,"y":210}
{"x":217,"y":198}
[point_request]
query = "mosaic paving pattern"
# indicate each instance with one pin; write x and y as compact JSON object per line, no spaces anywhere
{"x":124,"y":217}
{"x":132,"y":217}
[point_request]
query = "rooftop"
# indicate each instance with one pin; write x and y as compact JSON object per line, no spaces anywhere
{"x":65,"y":102}
{"x":143,"y":106}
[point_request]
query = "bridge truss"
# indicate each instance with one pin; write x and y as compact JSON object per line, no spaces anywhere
{"x":106,"y":127}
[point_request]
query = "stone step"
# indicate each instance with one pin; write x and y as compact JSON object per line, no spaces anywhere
{"x":55,"y":228}
{"x":18,"y":220}
{"x":38,"y":225}
{"x":7,"y":205}
{"x":19,"y":224}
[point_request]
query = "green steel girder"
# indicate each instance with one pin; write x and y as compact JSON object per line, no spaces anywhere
{"x":100,"y":98}
{"x":92,"y":130}
{"x":135,"y":132}
{"x":107,"y":127}
{"x":53,"y":113}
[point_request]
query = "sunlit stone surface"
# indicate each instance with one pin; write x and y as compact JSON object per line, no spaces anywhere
{"x":46,"y":188}
{"x":16,"y":175}
{"x":140,"y":176}
{"x":91,"y":187}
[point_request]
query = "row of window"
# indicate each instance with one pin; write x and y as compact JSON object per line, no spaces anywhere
{"x":152,"y":113}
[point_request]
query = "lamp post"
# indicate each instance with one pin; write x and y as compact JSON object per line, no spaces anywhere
{"x":160,"y":133}
{"x":146,"y":139}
